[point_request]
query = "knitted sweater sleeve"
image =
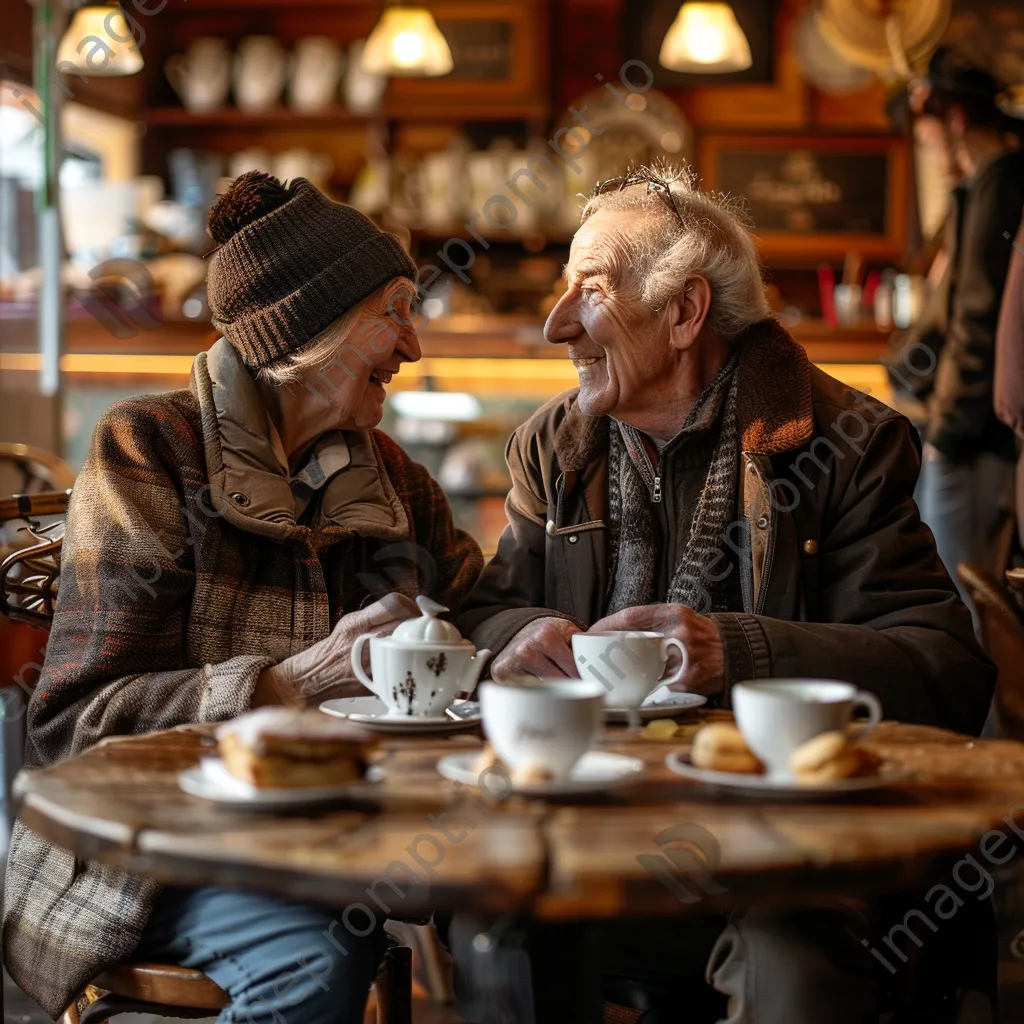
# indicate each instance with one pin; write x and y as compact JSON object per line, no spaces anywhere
{"x":115,"y":660}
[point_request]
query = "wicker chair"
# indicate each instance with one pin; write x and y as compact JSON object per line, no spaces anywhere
{"x":29,"y":578}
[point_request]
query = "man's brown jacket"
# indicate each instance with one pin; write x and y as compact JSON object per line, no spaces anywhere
{"x":840,"y":578}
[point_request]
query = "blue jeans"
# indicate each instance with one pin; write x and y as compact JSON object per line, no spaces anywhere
{"x":965,"y":502}
{"x":281,"y":962}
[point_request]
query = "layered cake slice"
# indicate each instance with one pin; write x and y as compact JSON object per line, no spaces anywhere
{"x":279,"y":748}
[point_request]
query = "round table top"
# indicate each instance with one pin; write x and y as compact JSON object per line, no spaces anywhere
{"x":420,"y":843}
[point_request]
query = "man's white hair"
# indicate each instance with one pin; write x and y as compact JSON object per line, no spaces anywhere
{"x":710,"y":237}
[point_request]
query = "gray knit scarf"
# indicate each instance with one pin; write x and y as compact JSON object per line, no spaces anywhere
{"x":633,"y":554}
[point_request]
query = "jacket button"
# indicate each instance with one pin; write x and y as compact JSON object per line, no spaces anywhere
{"x":762,"y":522}
{"x":550,"y":528}
{"x":573,"y":538}
{"x":240,"y":499}
{"x":810,"y":547}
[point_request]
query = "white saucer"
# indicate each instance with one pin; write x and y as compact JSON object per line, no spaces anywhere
{"x":373,"y":713}
{"x":596,"y":771}
{"x":785,"y":789}
{"x":661,"y":703}
{"x":212,"y":781}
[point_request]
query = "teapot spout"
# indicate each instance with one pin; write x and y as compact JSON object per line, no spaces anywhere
{"x":474,"y":668}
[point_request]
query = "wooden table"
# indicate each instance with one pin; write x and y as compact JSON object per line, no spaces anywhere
{"x":420,"y":843}
{"x":119,"y":803}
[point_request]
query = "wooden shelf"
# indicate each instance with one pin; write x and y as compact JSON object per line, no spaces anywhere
{"x":284,"y":117}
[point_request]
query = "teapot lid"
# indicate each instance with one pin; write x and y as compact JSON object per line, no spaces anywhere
{"x":428,"y":628}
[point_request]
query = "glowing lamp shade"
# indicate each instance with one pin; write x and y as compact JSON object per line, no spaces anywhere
{"x":705,"y":37}
{"x":406,"y":41}
{"x":99,"y":42}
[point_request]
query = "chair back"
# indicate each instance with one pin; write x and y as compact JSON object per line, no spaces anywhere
{"x":1002,"y":636}
{"x":28,"y":470}
{"x":29,"y":575}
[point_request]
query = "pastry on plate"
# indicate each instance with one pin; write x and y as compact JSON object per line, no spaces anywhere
{"x":283,"y":748}
{"x":830,"y":757}
{"x":720,"y":747}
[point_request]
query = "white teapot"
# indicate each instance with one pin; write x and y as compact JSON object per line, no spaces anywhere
{"x":420,"y":668}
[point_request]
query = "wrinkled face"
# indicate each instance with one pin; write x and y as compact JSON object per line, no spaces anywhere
{"x":618,"y":346}
{"x":382,"y":339}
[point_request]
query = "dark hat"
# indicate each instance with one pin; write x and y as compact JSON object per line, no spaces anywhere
{"x":290,"y":263}
{"x":956,"y":75}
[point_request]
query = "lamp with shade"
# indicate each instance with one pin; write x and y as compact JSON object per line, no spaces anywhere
{"x":98,"y":42}
{"x":705,"y":38}
{"x":407,"y":42}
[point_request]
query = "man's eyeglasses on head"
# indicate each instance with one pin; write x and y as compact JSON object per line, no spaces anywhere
{"x":661,"y":188}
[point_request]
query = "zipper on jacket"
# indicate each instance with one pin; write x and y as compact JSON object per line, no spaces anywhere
{"x":656,"y":496}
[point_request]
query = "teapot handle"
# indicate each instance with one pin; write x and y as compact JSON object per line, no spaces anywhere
{"x":357,"y":663}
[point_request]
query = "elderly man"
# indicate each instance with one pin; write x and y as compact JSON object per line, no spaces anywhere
{"x":706,"y":481}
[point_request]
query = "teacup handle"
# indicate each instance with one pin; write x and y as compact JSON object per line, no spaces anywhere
{"x":357,"y":663}
{"x":873,"y":706}
{"x":666,"y":645}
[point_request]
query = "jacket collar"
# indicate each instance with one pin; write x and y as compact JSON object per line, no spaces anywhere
{"x":248,"y":471}
{"x":774,"y":408}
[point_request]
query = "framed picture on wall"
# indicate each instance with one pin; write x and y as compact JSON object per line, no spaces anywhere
{"x":814,"y":197}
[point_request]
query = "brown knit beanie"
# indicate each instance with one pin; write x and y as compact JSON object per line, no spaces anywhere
{"x":290,"y":263}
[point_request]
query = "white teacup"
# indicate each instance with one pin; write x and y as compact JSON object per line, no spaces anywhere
{"x":628,"y":664}
{"x":417,"y":679}
{"x":548,"y":723}
{"x":779,"y":715}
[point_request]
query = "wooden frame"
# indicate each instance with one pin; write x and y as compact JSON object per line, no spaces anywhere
{"x":524,"y":91}
{"x":887,"y":242}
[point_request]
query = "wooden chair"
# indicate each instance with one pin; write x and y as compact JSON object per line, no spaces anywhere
{"x":1002,"y":636}
{"x":37,"y":469}
{"x":28,"y":583}
{"x":167,"y":990}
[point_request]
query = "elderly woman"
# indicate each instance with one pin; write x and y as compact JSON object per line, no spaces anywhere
{"x":225,"y":545}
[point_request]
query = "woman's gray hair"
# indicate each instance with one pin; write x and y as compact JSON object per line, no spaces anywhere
{"x":316,"y":353}
{"x":710,"y":237}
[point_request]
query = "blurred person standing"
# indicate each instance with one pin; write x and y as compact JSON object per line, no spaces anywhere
{"x":966,"y":488}
{"x":1009,"y":374}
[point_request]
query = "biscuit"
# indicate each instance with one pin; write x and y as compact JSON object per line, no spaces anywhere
{"x":526,"y":774}
{"x":831,"y":757}
{"x":487,"y":758}
{"x":720,"y":747}
{"x":818,"y":752}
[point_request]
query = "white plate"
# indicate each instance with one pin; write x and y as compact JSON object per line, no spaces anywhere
{"x":661,"y":703}
{"x":596,"y":771}
{"x":212,"y":781}
{"x":765,"y":786}
{"x":373,"y":713}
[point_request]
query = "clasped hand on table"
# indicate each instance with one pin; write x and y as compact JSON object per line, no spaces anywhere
{"x":543,"y":648}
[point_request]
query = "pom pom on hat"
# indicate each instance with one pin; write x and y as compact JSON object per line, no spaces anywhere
{"x":252,"y":195}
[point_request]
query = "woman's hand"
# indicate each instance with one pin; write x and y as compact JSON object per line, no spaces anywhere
{"x":324,"y":670}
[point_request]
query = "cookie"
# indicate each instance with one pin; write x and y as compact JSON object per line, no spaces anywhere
{"x":829,"y":758}
{"x":529,"y":773}
{"x":720,"y":747}
{"x":818,"y":752}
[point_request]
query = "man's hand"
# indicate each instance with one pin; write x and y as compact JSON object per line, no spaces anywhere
{"x":541,"y":648}
{"x":705,"y":669}
{"x":324,"y":670}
